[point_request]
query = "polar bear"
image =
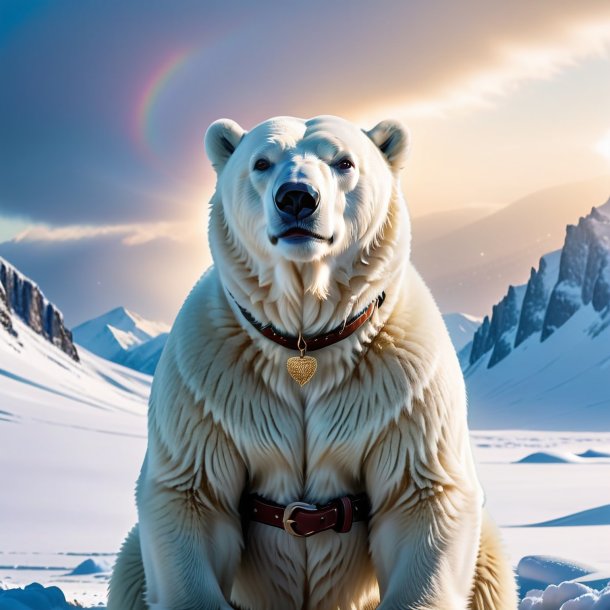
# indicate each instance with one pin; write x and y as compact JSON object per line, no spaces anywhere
{"x":308,"y":446}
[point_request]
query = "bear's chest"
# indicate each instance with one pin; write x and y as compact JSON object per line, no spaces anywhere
{"x":310,"y":443}
{"x":313,"y":448}
{"x":309,"y":451}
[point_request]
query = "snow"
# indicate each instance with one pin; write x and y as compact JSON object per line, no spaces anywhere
{"x":551,"y":570}
{"x":592,"y":453}
{"x":144,"y":357}
{"x":461,"y":327}
{"x":562,"y":383}
{"x":524,"y":498}
{"x":564,"y":457}
{"x":116,"y":332}
{"x":72,"y":438}
{"x":33,"y":597}
{"x":91,"y":566}
{"x":125,"y":339}
{"x":600,"y":515}
{"x":567,"y":596}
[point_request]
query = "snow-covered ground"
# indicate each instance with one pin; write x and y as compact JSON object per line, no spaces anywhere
{"x":72,"y":438}
{"x":551,"y":501}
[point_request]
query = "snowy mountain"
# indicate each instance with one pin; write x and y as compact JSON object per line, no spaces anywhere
{"x":21,"y":298}
{"x":124,"y":337}
{"x":461,"y":327}
{"x":542,"y":359}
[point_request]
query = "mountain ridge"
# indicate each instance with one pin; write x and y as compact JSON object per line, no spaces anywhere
{"x":565,"y":280}
{"x":21,"y":296}
{"x":541,"y":360}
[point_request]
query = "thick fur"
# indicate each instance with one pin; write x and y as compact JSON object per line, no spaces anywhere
{"x":385,"y":413}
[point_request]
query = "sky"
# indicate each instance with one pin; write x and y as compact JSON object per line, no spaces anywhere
{"x":104,"y":182}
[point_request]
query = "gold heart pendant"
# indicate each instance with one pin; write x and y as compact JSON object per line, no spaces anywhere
{"x":302,"y":368}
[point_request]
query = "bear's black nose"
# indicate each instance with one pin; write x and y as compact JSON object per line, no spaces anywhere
{"x":296,"y":200}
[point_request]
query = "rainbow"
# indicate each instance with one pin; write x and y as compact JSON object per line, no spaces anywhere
{"x":152,"y":91}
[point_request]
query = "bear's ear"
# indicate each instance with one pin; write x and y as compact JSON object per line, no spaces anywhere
{"x":392,"y":139}
{"x":221,"y":140}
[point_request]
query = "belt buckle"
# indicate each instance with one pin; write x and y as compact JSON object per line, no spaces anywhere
{"x":288,"y":520}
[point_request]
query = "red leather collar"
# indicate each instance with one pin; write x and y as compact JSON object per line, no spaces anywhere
{"x":319,"y":341}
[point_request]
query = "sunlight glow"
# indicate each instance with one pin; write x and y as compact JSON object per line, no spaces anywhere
{"x":514,"y":65}
{"x":603,"y":146}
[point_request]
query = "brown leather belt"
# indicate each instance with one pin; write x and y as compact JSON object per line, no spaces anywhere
{"x":302,"y":519}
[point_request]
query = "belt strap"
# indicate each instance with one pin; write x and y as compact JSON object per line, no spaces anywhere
{"x":301,"y":519}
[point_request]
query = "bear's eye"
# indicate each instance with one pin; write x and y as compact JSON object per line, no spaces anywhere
{"x":344,"y":164}
{"x":261,"y":165}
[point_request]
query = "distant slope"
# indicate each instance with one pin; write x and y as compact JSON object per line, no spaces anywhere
{"x":432,"y":226}
{"x":124,"y":337}
{"x":600,"y":515}
{"x":561,"y":384}
{"x":468,"y":268}
{"x":71,"y":437}
{"x":461,"y":328}
{"x":35,"y":377}
{"x":144,"y":358}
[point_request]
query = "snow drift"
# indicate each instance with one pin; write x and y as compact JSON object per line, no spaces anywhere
{"x":567,"y":596}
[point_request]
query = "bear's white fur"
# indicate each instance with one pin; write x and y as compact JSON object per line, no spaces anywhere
{"x":385,"y":413}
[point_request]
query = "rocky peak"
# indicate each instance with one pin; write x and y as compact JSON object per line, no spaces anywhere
{"x":584,"y":258}
{"x":536,"y":297}
{"x":22,"y":297}
{"x":577,"y":275}
{"x":497,"y":333}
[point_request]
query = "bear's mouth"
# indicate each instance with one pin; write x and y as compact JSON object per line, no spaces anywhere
{"x":298,"y":233}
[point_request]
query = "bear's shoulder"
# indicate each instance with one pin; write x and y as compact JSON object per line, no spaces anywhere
{"x":200,"y":315}
{"x":418,"y":339}
{"x":198,"y":337}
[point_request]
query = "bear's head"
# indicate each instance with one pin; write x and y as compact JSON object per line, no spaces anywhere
{"x":300,"y":205}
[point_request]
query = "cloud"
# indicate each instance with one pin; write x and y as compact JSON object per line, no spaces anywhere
{"x":130,"y":235}
{"x":81,"y":145}
{"x":86,"y":271}
{"x":513,"y":65}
